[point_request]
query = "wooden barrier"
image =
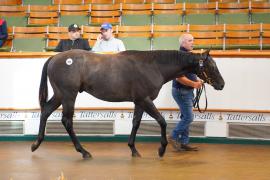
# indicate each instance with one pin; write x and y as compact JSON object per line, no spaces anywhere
{"x":214,"y":53}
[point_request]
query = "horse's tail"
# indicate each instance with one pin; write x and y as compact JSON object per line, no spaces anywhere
{"x":43,"y":87}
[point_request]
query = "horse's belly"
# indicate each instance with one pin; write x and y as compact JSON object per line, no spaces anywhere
{"x":111,"y":96}
{"x":118,"y":90}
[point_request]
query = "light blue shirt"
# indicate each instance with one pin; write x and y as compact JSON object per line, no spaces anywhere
{"x":111,"y":45}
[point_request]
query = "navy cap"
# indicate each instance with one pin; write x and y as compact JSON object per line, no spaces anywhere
{"x":106,"y":26}
{"x":73,"y":27}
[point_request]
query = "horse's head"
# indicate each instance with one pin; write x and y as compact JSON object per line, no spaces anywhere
{"x":208,"y":71}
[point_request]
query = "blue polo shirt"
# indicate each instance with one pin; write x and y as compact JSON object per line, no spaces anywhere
{"x":190,"y":76}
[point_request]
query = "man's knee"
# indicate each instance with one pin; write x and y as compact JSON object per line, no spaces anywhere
{"x":187,"y":119}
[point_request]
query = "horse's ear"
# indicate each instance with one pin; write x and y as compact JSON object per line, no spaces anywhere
{"x":207,"y":51}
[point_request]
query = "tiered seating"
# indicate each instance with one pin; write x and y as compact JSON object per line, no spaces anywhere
{"x":244,"y":36}
{"x":161,"y":1}
{"x":260,"y":12}
{"x":265,"y":33}
{"x":98,"y":1}
{"x":10,"y":2}
{"x":168,"y":14}
{"x":191,"y":1}
{"x":135,"y":37}
{"x":129,"y":1}
{"x":67,"y":1}
{"x":78,"y":14}
{"x":91,"y":33}
{"x":104,"y":13}
{"x":42,"y":15}
{"x":233,"y":13}
{"x":37,"y":2}
{"x":225,"y":1}
{"x":146,"y":24}
{"x":136,"y":14}
{"x":14,"y":15}
{"x":29,"y":38}
{"x":140,"y":14}
{"x":227,"y":36}
{"x":200,"y":13}
{"x":54,"y":35}
{"x":166,"y":37}
{"x":210,"y":36}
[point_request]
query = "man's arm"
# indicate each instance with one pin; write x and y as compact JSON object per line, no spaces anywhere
{"x":86,"y":45}
{"x":184,"y":80}
{"x":96,"y":47}
{"x":121,"y":46}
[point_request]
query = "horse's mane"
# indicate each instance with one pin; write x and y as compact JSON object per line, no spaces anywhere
{"x":162,"y":56}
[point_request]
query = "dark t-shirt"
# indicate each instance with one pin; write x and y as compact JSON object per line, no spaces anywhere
{"x":190,"y":76}
{"x":67,"y":44}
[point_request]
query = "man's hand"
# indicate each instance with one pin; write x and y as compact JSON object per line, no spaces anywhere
{"x":99,"y":37}
{"x":197,"y":84}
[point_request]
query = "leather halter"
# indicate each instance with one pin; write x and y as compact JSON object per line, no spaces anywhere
{"x":199,"y":91}
{"x":202,"y":70}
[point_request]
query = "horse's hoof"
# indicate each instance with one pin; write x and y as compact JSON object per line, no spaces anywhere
{"x":34,"y":147}
{"x":87,"y":155}
{"x":136,"y":155}
{"x":161,"y":151}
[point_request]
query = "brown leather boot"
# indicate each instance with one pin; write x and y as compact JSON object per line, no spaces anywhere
{"x":175,"y":144}
{"x":186,"y":147}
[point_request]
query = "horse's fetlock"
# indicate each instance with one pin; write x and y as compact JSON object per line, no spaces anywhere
{"x":130,"y":145}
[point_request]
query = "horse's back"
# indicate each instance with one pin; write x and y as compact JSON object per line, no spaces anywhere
{"x":113,"y":77}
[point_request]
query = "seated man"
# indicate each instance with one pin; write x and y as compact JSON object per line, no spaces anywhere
{"x":3,"y":32}
{"x":106,"y":42}
{"x":74,"y":42}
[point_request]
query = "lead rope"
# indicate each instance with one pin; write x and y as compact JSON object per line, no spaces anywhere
{"x":196,"y":101}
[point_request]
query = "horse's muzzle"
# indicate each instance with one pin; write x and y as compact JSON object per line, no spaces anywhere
{"x":219,"y":86}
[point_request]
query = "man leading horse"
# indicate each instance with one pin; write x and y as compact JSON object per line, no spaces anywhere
{"x":182,"y":91}
{"x":135,"y":76}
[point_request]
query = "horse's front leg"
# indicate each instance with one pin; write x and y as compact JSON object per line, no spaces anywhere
{"x":138,"y":112}
{"x":149,"y":107}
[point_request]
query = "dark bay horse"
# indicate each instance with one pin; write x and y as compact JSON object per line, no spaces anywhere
{"x":135,"y":76}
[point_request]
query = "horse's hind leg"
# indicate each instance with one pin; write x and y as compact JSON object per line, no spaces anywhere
{"x":49,"y":107}
{"x":151,"y":109}
{"x":138,"y":112}
{"x":67,"y":120}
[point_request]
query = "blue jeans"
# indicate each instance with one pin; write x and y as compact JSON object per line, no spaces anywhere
{"x":184,"y":99}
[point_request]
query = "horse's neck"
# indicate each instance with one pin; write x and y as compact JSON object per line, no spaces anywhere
{"x":175,"y":63}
